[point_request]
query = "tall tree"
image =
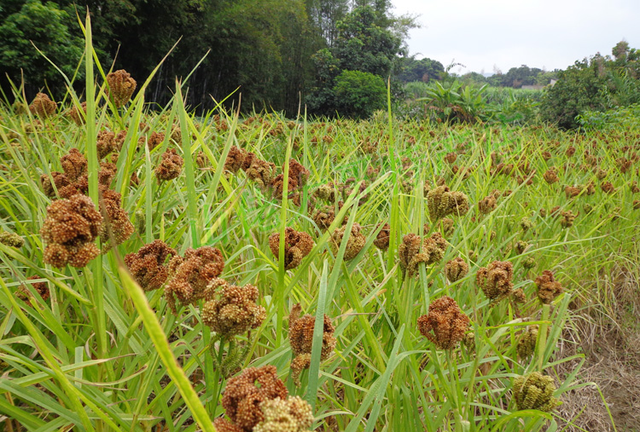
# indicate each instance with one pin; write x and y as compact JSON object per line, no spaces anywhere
{"x":362,"y":45}
{"x":424,"y":70}
{"x":325,"y":15}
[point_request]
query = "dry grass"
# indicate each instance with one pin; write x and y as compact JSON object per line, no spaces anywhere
{"x":609,"y":337}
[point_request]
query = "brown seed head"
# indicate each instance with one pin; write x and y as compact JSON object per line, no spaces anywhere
{"x":324,"y":217}
{"x":504,"y":169}
{"x":372,"y":172}
{"x":589,"y":188}
{"x":297,"y":245}
{"x":278,"y":186}
{"x":487,"y":204}
{"x":442,"y":202}
{"x":170,"y":167}
{"x":81,"y":184}
{"x":107,"y":143}
{"x":148,"y":264}
{"x":568,"y":217}
{"x":356,"y":241}
{"x":495,"y":281}
{"x":262,"y":172}
{"x":233,"y":310}
{"x":551,"y":175}
{"x":624,"y":164}
{"x":42,"y":106}
{"x":447,"y":226}
{"x":447,"y":322}
{"x":244,"y":395}
{"x":519,"y":296}
{"x":189,"y":277}
{"x":76,"y":115}
{"x":69,"y":230}
{"x":327,"y":192}
{"x":463,"y":172}
{"x":249,"y":157}
{"x":301,"y":340}
{"x":607,"y":187}
{"x":298,"y":172}
{"x":572,"y":191}
{"x":153,"y":140}
{"x":176,"y":135}
{"x":456,"y":269}
{"x":105,"y":175}
{"x":116,"y":227}
{"x":548,"y":287}
{"x":41,"y":289}
{"x":224,"y":425}
{"x":413,"y":251}
{"x":121,"y":87}
{"x":202,"y":161}
{"x":235,"y":159}
{"x":451,"y":157}
{"x":301,"y":336}
{"x":60,"y":180}
{"x":382,"y":240}
{"x":19,"y":108}
{"x":74,"y":164}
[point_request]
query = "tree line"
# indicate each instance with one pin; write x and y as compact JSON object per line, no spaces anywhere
{"x":276,"y":54}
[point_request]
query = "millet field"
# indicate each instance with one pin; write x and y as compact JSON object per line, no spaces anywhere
{"x":162,"y":271}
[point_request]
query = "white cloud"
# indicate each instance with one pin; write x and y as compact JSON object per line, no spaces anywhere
{"x":509,"y":33}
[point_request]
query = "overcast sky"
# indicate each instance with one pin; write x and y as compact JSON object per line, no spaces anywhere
{"x":549,"y":34}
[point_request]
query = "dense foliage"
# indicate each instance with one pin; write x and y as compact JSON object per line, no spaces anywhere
{"x":264,"y":49}
{"x":424,"y":70}
{"x":358,"y":94}
{"x":595,"y":84}
{"x":363,"y":55}
{"x":288,"y":55}
{"x":33,"y":26}
{"x":582,"y":95}
{"x":456,"y":100}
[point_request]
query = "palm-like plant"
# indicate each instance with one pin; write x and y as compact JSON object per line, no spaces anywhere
{"x":454,"y":102}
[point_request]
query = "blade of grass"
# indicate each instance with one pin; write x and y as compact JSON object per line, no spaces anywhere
{"x":377,"y":391}
{"x":318,"y":333}
{"x":161,"y":343}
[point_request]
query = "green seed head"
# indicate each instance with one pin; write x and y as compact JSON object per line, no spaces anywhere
{"x":527,"y":342}
{"x":535,"y":391}
{"x":11,"y":239}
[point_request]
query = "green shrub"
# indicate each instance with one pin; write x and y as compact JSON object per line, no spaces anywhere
{"x":580,"y":88}
{"x":625,"y":117}
{"x":417,"y":89}
{"x":359,"y":94}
